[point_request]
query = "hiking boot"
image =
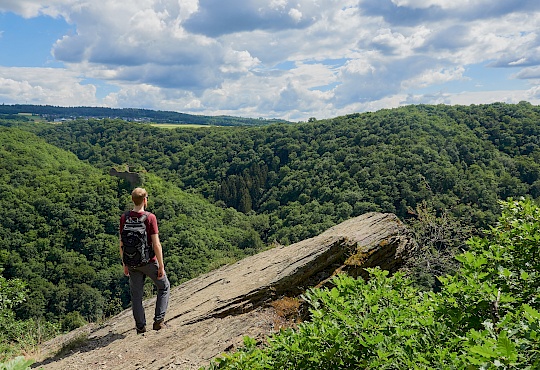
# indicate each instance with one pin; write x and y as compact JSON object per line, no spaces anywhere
{"x":158,"y":325}
{"x":141,"y":330}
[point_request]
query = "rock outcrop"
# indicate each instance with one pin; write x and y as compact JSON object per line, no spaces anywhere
{"x":211,"y":314}
{"x":133,"y":178}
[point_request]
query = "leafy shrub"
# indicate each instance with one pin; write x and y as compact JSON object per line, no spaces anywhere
{"x":18,"y":363}
{"x":72,"y":320}
{"x":486,"y":315}
{"x":494,"y":298}
{"x":18,"y":336}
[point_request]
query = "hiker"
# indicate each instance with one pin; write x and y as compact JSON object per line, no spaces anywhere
{"x":142,"y":255}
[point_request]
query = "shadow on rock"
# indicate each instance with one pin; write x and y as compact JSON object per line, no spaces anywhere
{"x":80,"y":344}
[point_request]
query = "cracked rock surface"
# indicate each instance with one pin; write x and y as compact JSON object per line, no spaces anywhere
{"x":210,"y":314}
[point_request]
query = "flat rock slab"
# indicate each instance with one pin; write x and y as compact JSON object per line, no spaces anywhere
{"x":210,"y":314}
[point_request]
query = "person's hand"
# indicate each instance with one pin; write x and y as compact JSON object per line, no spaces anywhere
{"x":161,"y":272}
{"x":126,"y":270}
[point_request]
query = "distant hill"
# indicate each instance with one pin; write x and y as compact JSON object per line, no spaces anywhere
{"x":52,"y":113}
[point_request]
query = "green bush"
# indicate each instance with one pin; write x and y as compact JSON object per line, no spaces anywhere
{"x":486,"y":315}
{"x":18,"y":363}
{"x":17,"y":336}
{"x":73,"y":320}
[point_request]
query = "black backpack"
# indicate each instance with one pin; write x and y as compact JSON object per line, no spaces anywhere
{"x":135,"y":248}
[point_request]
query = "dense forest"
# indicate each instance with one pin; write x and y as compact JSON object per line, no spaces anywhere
{"x":309,"y":176}
{"x":222,"y":193}
{"x":52,"y":113}
{"x":59,"y":234}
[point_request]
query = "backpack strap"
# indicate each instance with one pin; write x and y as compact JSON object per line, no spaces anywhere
{"x":141,"y":219}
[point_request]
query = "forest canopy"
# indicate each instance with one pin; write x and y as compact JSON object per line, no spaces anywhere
{"x":309,"y":176}
{"x":222,"y":193}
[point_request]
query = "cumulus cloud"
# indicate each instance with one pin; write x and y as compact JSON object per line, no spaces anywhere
{"x":295,"y":14}
{"x":26,"y":8}
{"x":44,"y":86}
{"x":529,"y":73}
{"x":368,"y":80}
{"x":277,"y":58}
{"x":436,"y":76}
{"x":407,"y":12}
{"x":215,"y":17}
{"x":398,"y":43}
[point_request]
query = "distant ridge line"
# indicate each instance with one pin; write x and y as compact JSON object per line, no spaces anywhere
{"x":132,"y":114}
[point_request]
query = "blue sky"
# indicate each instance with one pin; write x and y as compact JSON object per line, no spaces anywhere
{"x":269,"y":58}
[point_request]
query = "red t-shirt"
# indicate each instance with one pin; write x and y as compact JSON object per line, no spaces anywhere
{"x":150,"y":222}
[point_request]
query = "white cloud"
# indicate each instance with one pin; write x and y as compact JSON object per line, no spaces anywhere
{"x":529,"y":73}
{"x":277,"y":58}
{"x":278,"y":4}
{"x":399,"y":43}
{"x":444,"y":4}
{"x":238,"y":62}
{"x":146,"y":95}
{"x":26,"y":8}
{"x":51,"y":86}
{"x":295,"y":14}
{"x":434,"y":77}
{"x":484,"y":97}
{"x":534,"y":94}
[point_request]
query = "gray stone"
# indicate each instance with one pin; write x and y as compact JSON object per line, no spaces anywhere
{"x":213,"y":312}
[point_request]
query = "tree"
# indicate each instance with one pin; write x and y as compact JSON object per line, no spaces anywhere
{"x":17,"y":335}
{"x":12,"y":293}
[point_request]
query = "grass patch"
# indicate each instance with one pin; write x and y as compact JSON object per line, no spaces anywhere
{"x":287,"y":313}
{"x":77,"y":342}
{"x":32,"y":117}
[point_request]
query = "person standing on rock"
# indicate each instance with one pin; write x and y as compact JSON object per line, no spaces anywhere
{"x":142,"y":255}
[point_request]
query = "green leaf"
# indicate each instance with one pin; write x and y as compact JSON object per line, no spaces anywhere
{"x":484,"y":351}
{"x":504,"y":272}
{"x":18,"y":363}
{"x":530,"y":312}
{"x":506,"y":348}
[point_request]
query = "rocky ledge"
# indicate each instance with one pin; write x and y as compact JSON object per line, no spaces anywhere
{"x":210,"y":314}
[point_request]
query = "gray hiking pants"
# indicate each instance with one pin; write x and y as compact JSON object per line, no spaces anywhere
{"x":136,"y":288}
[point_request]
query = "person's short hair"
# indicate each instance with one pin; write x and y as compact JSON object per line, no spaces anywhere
{"x":138,"y":195}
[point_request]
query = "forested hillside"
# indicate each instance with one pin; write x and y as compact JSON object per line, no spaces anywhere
{"x":309,"y":176}
{"x":222,"y":193}
{"x":59,"y":233}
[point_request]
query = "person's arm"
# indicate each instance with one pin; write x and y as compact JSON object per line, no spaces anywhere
{"x":156,"y":244}
{"x":126,"y":270}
